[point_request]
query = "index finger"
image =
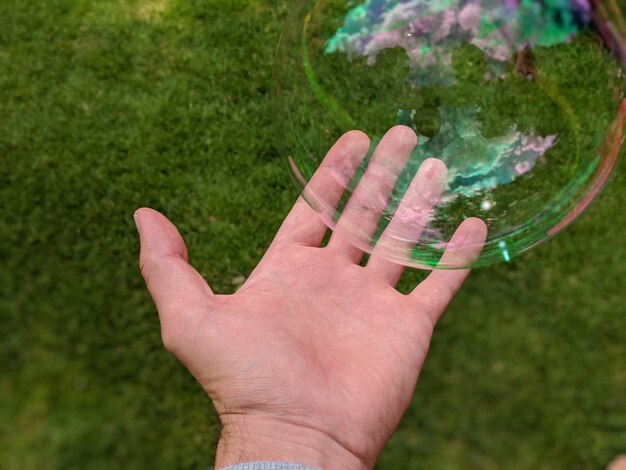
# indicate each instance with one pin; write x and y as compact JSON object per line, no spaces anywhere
{"x":307,"y":226}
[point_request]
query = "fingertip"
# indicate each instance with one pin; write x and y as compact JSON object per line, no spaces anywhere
{"x":147,"y":212}
{"x":159,"y":236}
{"x":433,"y":168}
{"x":403,"y":134}
{"x":358,"y":142}
{"x":348,"y":151}
{"x":356,"y":135}
{"x":150,"y":218}
{"x":433,"y":163}
{"x":140,"y":210}
{"x":475,"y":228}
{"x":342,"y":160}
{"x":140,"y":216}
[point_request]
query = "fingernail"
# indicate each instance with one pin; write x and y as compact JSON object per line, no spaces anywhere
{"x":137,"y":223}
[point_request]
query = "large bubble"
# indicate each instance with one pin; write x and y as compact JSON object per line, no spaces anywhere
{"x":521,"y":99}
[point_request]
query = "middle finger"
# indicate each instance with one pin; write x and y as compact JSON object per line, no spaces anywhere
{"x":365,"y":207}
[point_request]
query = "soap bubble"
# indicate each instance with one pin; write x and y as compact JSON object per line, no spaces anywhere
{"x":521,"y":99}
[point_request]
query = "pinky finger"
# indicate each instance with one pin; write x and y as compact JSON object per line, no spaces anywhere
{"x":439,"y":288}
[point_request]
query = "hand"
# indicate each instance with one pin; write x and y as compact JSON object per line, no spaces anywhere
{"x":315,"y":358}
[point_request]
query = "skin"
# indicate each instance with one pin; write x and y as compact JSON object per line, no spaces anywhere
{"x":618,"y":464}
{"x":315,"y":358}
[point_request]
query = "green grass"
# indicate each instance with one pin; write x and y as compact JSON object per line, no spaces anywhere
{"x":106,"y":106}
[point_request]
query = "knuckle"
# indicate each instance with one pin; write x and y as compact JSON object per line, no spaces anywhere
{"x":144,"y":268}
{"x":170,"y":340}
{"x":181,"y":327}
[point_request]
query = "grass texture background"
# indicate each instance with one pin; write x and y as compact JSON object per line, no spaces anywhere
{"x":109,"y":105}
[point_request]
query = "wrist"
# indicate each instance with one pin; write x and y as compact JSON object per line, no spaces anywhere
{"x":255,"y":438}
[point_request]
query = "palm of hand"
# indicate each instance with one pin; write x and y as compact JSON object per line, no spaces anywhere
{"x":312,"y":339}
{"x":345,"y":362}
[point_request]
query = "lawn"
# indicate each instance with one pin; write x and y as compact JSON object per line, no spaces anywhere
{"x":110,"y":105}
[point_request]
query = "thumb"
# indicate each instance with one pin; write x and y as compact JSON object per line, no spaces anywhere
{"x":180,"y":293}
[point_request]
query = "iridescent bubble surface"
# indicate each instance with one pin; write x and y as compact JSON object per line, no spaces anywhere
{"x":522,"y":101}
